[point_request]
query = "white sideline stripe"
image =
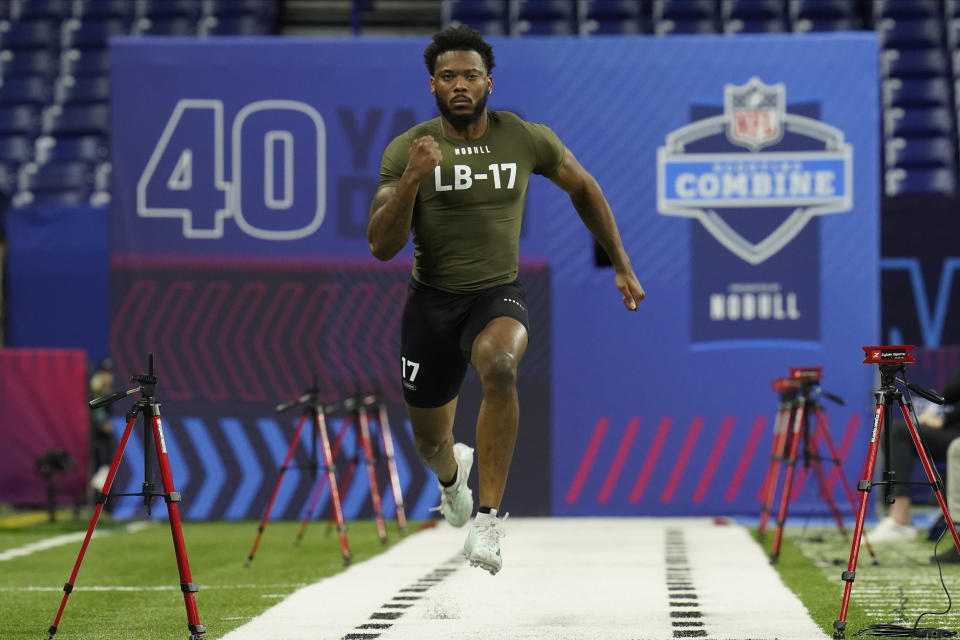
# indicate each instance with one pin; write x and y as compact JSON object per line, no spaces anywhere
{"x":741,"y":595}
{"x":161,"y":587}
{"x":569,"y":578}
{"x":67,"y":538}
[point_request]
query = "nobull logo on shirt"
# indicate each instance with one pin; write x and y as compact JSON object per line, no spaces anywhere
{"x":755,"y":173}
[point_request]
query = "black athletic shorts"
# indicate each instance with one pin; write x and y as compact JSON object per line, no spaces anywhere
{"x":437,"y":334}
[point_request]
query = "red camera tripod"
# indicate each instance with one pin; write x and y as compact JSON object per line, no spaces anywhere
{"x":891,"y":360}
{"x":357,"y":411}
{"x":314,"y":412}
{"x":148,"y":407}
{"x":799,"y":400}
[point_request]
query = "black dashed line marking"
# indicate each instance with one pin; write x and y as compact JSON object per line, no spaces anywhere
{"x":386,"y":615}
{"x":421,"y":585}
{"x":682,"y":594}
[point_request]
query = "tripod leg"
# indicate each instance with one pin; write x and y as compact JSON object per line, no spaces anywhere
{"x":172,"y":498}
{"x":314,"y":499}
{"x":827,"y":495}
{"x":392,"y":467}
{"x":321,"y":426}
{"x":935,"y":484}
{"x":101,"y":500}
{"x":363,"y":422}
{"x":344,"y":482}
{"x":837,"y":461}
{"x":795,"y":437}
{"x":352,"y":463}
{"x":769,"y":489}
{"x":317,"y":493}
{"x":276,"y":488}
{"x":863,"y":486}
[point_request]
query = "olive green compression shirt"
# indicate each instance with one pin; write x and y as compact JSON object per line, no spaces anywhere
{"x":466,"y":218}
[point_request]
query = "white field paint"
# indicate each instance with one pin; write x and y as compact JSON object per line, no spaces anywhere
{"x":157,"y":587}
{"x":563,"y":579}
{"x":67,"y":538}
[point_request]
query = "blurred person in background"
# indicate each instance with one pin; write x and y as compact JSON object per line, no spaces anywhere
{"x":459,"y":183}
{"x":101,"y":425}
{"x":938,"y":428}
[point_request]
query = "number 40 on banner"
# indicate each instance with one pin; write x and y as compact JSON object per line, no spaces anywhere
{"x":277,"y":184}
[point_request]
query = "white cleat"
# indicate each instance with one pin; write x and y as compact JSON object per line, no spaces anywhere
{"x":889,"y":531}
{"x":456,"y":502}
{"x":482,"y":547}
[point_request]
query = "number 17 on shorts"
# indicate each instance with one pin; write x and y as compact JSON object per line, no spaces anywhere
{"x":409,"y":373}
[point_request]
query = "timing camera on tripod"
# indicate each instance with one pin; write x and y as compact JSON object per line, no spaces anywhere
{"x":890,"y":361}
{"x":149,"y":409}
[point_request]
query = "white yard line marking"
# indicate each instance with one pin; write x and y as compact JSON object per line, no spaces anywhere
{"x":563,"y":579}
{"x":67,"y":538}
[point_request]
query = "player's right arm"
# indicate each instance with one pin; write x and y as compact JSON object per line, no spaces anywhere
{"x":391,"y":212}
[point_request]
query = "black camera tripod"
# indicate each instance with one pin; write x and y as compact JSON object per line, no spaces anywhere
{"x":147,"y":407}
{"x":891,"y":360}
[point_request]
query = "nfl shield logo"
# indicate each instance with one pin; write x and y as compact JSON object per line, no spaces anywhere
{"x":754,"y":113}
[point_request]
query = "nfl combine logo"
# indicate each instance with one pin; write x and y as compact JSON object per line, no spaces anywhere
{"x":754,"y":173}
{"x":756,"y":112}
{"x":804,"y":183}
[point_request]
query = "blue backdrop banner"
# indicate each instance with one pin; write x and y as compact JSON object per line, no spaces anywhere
{"x":742,"y":172}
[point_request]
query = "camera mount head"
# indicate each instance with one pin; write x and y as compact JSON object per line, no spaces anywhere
{"x":891,"y":360}
{"x":147,"y":388}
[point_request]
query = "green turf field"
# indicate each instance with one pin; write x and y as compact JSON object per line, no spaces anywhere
{"x":128,"y":586}
{"x":901,"y":585}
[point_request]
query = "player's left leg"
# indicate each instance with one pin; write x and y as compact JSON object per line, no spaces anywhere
{"x":496,"y":353}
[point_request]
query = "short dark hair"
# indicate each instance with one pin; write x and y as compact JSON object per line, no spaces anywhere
{"x":458,"y":38}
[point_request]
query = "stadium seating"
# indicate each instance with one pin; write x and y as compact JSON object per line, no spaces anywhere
{"x":21,"y":119}
{"x":41,"y":34}
{"x":543,"y":17}
{"x":753,"y":16}
{"x":67,"y":182}
{"x":922,"y":153}
{"x":189,"y":9}
{"x":28,"y":62}
{"x":26,"y":10}
{"x":55,"y":86}
{"x":15,"y":150}
{"x":77,"y":89}
{"x":54,"y":62}
{"x":925,"y":63}
{"x":76,"y":120}
{"x":913,"y":181}
{"x":235,"y":24}
{"x":685,"y":16}
{"x":916,"y":92}
{"x":918,"y":122}
{"x":616,"y":17}
{"x":92,"y":33}
{"x":92,"y":149}
{"x":32,"y":90}
{"x":910,"y":33}
{"x":490,"y":17}
{"x":909,"y":9}
{"x":77,"y":62}
{"x":103,"y":10}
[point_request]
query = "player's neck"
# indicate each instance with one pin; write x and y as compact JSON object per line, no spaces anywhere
{"x":471,"y":132}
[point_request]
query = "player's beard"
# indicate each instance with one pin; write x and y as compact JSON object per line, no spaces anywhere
{"x":461,"y":121}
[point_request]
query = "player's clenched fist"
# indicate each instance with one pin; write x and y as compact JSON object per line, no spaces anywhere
{"x":423,"y":156}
